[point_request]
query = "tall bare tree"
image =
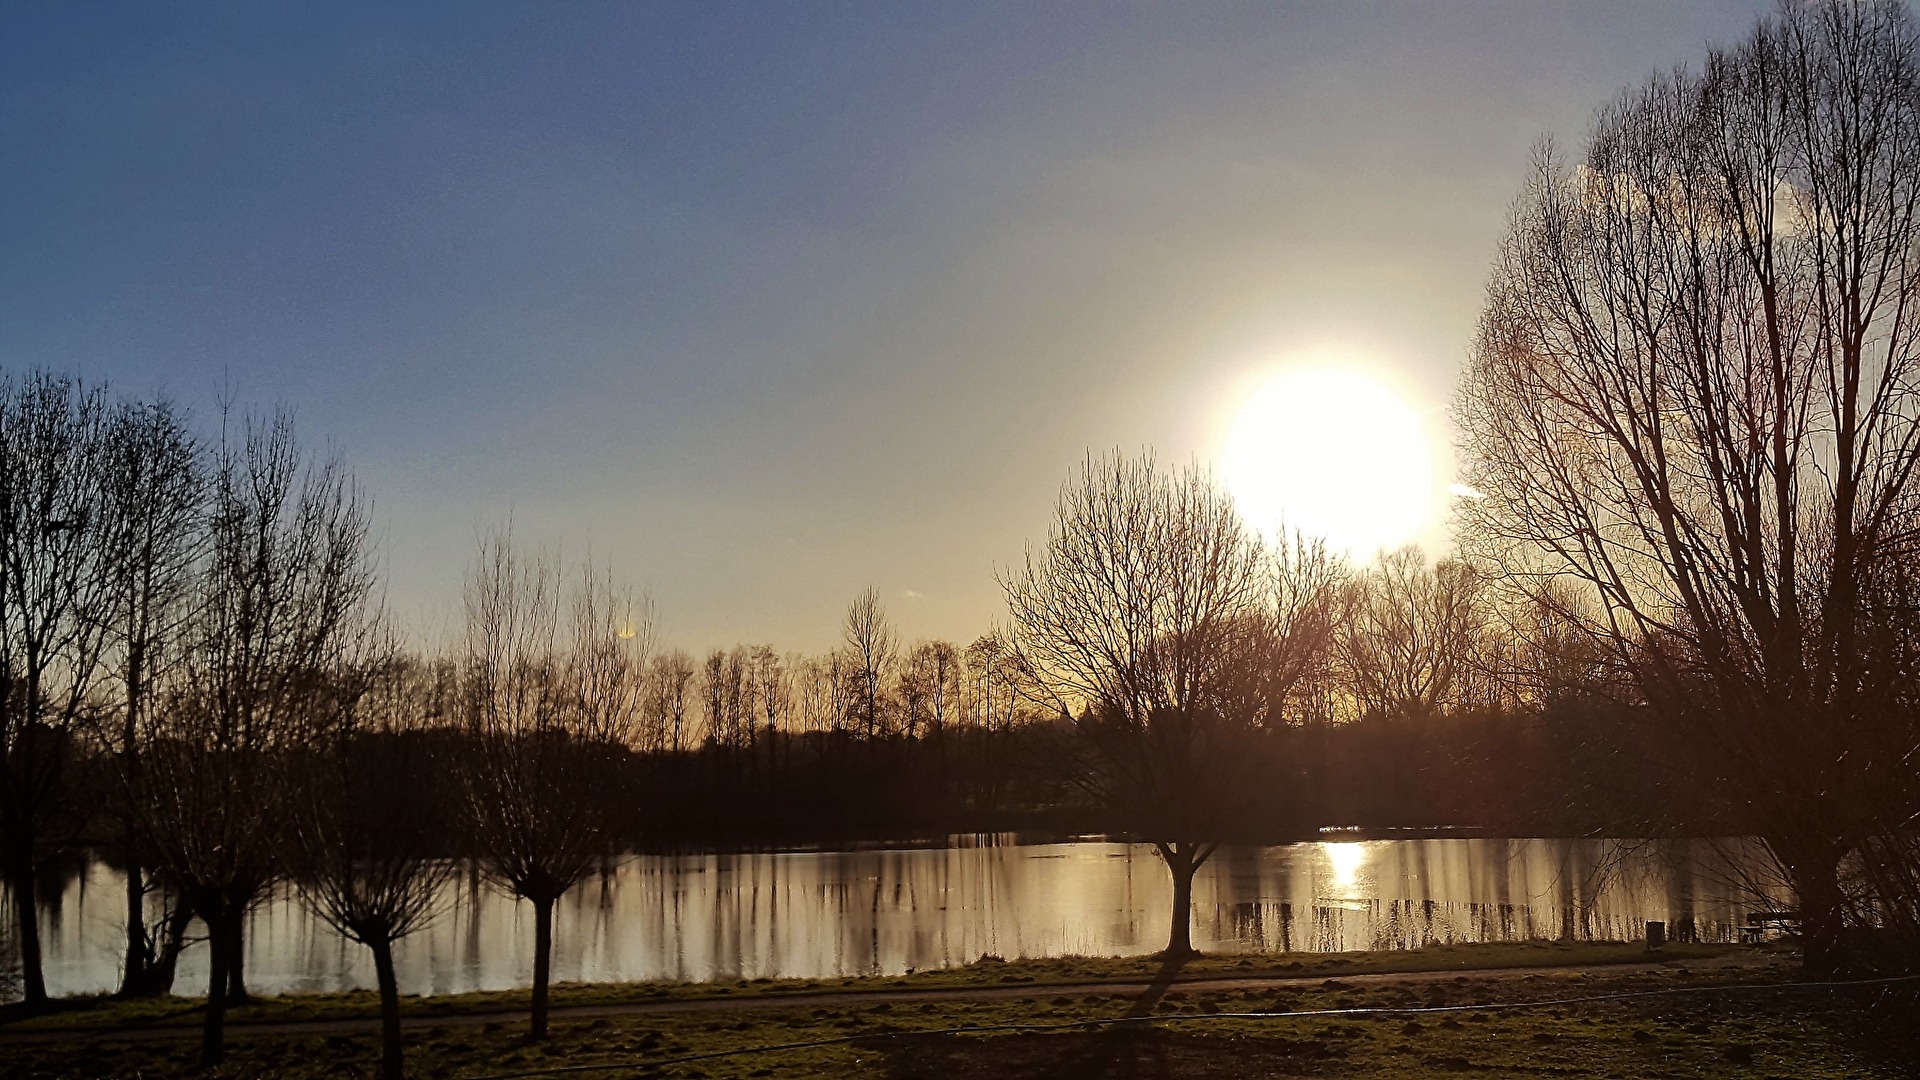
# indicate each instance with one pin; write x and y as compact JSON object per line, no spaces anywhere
{"x":1407,"y":635}
{"x":370,"y":830}
{"x":731,"y":698}
{"x":873,"y":647}
{"x":669,"y":676}
{"x":58,"y":577}
{"x":818,"y":704}
{"x":992,"y":694}
{"x":1695,"y":390}
{"x":157,"y":489}
{"x":1142,"y":616}
{"x":278,"y":604}
{"x":937,"y":665}
{"x":554,"y":684}
{"x":772,"y":686}
{"x":914,"y":691}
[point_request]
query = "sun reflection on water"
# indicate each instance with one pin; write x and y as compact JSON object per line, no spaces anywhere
{"x":1346,"y":860}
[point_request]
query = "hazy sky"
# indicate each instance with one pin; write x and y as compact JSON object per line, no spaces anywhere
{"x":768,"y":302}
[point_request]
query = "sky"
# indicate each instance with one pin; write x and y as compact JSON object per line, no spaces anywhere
{"x":763,"y":304}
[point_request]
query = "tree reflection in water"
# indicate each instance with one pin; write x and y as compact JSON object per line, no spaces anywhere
{"x":814,"y":914}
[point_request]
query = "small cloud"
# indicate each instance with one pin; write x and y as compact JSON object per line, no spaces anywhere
{"x":912,"y":594}
{"x":1465,"y":491}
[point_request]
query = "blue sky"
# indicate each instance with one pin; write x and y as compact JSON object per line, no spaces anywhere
{"x":764,"y":303}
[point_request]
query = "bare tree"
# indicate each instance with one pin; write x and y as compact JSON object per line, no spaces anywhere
{"x":1407,"y":635}
{"x":669,"y":675}
{"x":873,"y":648}
{"x":370,"y":831}
{"x":277,"y":604}
{"x":730,"y":701}
{"x":156,"y":491}
{"x":915,"y":694}
{"x":846,"y":689}
{"x":57,"y":575}
{"x":992,"y":696}
{"x":772,"y":688}
{"x":1695,"y":390}
{"x":742,"y":705}
{"x":1886,"y":891}
{"x":816,"y":681}
{"x":1549,"y":657}
{"x":939,"y":664}
{"x":1136,"y":616}
{"x":554,"y":685}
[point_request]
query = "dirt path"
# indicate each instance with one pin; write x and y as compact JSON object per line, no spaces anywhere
{"x":1147,"y":990}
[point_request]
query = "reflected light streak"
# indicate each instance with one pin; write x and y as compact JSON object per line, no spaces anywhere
{"x":1346,"y":861}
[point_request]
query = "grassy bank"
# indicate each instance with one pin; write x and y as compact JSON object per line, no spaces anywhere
{"x":1742,"y":1035}
{"x":106,"y":1012}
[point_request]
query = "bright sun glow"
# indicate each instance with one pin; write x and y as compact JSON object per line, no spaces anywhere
{"x":1332,"y":452}
{"x":1345,"y":861}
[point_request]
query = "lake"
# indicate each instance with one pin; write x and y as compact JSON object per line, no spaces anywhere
{"x":819,"y":914}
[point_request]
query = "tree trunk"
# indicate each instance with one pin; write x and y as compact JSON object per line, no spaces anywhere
{"x":390,"y":1062}
{"x":1569,"y":889}
{"x":236,"y":959}
{"x":26,"y":912}
{"x":1180,"y":864}
{"x":1817,"y":883}
{"x":137,"y":980}
{"x":542,"y":962}
{"x":167,"y":958}
{"x":221,"y":938}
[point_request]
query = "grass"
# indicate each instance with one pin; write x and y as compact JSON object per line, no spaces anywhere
{"x":105,"y":1012}
{"x":1746,"y":1037}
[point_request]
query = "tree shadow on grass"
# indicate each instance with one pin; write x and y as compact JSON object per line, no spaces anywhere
{"x":1121,"y":1050}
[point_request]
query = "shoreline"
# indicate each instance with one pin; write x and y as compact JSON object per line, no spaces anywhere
{"x":106,"y":1015}
{"x":1588,"y":1009}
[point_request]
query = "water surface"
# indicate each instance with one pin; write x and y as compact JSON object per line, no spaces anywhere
{"x":819,"y":914}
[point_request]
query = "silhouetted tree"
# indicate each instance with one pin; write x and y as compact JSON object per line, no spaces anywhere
{"x":1407,"y":635}
{"x":771,"y":690}
{"x":277,"y":604}
{"x":825,"y":688}
{"x":1885,"y":892}
{"x":991,"y":696}
{"x":1695,"y":390}
{"x":872,"y":647}
{"x":554,"y":688}
{"x":370,"y":827}
{"x":669,"y":675}
{"x":1134,"y":616}
{"x":1297,"y":632}
{"x":935,"y":665}
{"x":157,"y":486}
{"x":59,"y":575}
{"x":730,"y":701}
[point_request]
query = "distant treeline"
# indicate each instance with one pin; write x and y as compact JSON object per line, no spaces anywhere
{"x":1594,"y":771}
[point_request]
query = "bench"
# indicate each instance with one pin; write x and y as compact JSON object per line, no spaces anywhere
{"x":1760,"y":923}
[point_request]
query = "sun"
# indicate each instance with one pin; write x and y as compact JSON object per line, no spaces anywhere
{"x":1331,"y":451}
